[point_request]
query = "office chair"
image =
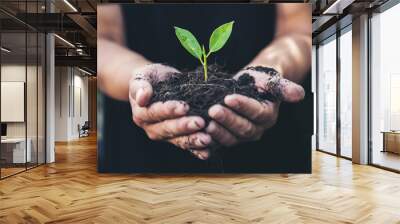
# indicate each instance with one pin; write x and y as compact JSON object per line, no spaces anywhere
{"x":84,"y":130}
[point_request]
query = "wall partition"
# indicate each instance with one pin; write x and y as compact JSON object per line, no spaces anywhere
{"x":14,"y":153}
{"x":22,"y":78}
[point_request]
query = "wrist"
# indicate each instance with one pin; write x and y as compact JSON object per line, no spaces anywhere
{"x":153,"y":72}
{"x":139,"y":67}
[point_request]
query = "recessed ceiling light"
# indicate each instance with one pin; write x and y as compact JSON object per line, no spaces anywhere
{"x":5,"y":50}
{"x":64,"y":40}
{"x":337,"y":7}
{"x":84,"y":71}
{"x":70,"y":5}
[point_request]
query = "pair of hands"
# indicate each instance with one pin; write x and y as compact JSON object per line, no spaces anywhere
{"x":240,"y":119}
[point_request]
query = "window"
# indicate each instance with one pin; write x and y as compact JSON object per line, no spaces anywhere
{"x":385,"y":89}
{"x":346,"y":93}
{"x":327,"y":96}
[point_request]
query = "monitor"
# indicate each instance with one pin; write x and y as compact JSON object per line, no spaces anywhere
{"x":3,"y":129}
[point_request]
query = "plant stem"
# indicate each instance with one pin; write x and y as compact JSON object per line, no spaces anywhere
{"x":205,"y":64}
{"x":205,"y":68}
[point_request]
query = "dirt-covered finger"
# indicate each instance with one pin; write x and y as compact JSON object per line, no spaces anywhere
{"x":140,"y":90}
{"x":290,"y":91}
{"x":254,"y":110}
{"x":202,"y":154}
{"x":160,"y":111}
{"x":236,"y":124}
{"x":221,"y":135}
{"x":198,"y":140}
{"x":175,"y":127}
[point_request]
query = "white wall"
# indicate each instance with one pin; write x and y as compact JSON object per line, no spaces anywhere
{"x":62,"y":81}
{"x":71,"y":93}
{"x":80,"y":89}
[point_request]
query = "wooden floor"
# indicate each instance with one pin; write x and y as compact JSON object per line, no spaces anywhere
{"x":8,"y":171}
{"x":387,"y":159}
{"x":5,"y":172}
{"x":71,"y":191}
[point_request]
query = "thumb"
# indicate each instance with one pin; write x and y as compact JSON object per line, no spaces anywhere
{"x":290,"y":91}
{"x":141,"y":91}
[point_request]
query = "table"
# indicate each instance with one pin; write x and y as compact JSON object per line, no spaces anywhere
{"x":13,"y":150}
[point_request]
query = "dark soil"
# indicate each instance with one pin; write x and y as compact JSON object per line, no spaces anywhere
{"x":200,"y":95}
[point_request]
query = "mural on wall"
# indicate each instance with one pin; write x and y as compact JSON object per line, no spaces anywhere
{"x":200,"y":88}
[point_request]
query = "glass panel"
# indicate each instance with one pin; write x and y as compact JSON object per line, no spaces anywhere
{"x":385,"y":87}
{"x":13,"y":86}
{"x":346,"y":94}
{"x":32,"y":96}
{"x":327,"y":96}
{"x":32,"y":86}
{"x":41,"y":98}
{"x":23,"y":88}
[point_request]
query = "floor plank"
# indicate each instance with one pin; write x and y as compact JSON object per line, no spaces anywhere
{"x":71,"y":191}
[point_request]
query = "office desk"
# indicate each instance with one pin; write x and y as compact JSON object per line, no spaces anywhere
{"x":391,"y":141}
{"x":13,"y":150}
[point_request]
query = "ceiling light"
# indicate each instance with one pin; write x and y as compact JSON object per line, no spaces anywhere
{"x":333,"y":6}
{"x":80,"y":51}
{"x":64,"y":40}
{"x":338,"y":6}
{"x":70,"y":5}
{"x":84,"y":71}
{"x":5,"y":50}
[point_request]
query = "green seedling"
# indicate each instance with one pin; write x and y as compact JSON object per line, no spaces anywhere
{"x":217,"y":40}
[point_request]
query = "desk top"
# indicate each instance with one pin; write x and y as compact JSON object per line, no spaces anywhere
{"x":13,"y":140}
{"x":391,"y":132}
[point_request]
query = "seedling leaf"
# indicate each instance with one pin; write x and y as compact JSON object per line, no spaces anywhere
{"x":220,"y":36}
{"x":189,"y":42}
{"x":217,"y":40}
